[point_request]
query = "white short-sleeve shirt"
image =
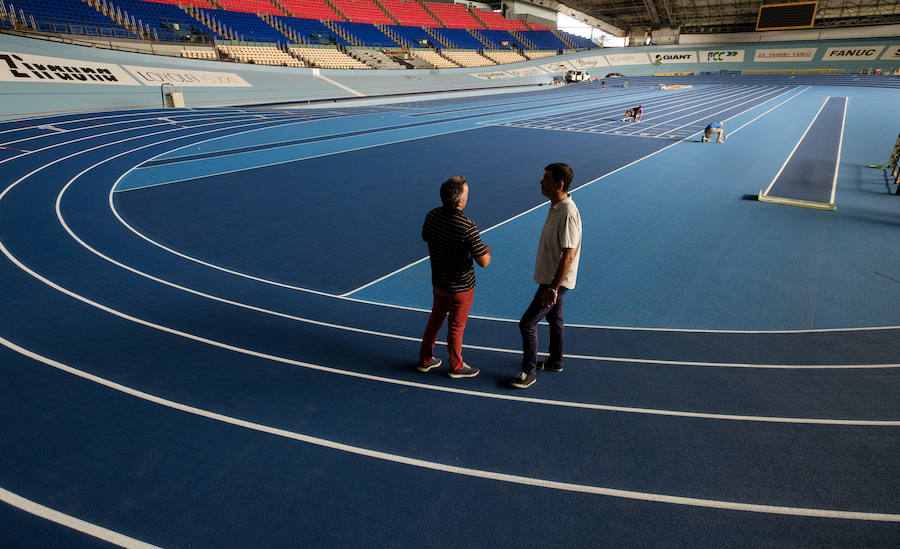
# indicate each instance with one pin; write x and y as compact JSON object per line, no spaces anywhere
{"x":562,"y":229}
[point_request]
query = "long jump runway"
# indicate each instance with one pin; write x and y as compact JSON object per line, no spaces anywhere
{"x":192,"y":353}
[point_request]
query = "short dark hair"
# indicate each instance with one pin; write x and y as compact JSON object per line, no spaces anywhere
{"x":561,"y":172}
{"x":452,"y":190}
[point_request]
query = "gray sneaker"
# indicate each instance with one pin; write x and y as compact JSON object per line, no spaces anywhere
{"x":434,"y":363}
{"x":523,"y":380}
{"x":465,"y":371}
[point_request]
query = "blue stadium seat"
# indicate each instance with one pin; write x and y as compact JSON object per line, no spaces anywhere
{"x":71,"y":17}
{"x":544,"y":40}
{"x":496,"y":39}
{"x":414,"y":37}
{"x":579,"y":41}
{"x":458,"y":38}
{"x":311,"y":31}
{"x":168,"y":20}
{"x":366,"y":34}
{"x":247,"y":27}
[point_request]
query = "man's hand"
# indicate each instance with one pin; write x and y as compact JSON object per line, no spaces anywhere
{"x":548,"y":298}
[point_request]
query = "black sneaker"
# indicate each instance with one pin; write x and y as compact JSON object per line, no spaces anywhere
{"x":465,"y":371}
{"x":523,"y":381}
{"x":548,"y":366}
{"x":434,"y":363}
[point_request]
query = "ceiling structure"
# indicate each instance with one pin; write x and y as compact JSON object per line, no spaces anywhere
{"x":697,"y":16}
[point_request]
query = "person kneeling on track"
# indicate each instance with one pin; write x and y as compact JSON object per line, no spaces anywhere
{"x":714,"y":128}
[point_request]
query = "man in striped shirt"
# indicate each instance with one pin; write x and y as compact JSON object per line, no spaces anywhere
{"x":453,"y":242}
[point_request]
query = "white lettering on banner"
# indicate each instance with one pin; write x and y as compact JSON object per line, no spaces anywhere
{"x":559,"y":66}
{"x":492,"y":75}
{"x":154,"y":76}
{"x":23,"y":67}
{"x":785,"y":54}
{"x":526,"y":71}
{"x":628,"y":59}
{"x":722,"y":56}
{"x":674,"y":57}
{"x":850,"y":53}
{"x":892,"y":52}
{"x":590,"y":62}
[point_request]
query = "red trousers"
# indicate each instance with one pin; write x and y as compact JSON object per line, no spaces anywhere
{"x":457,"y":306}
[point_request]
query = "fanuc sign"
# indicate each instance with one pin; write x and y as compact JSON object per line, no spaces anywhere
{"x":674,"y":57}
{"x":722,"y":56}
{"x":852,"y":53}
{"x":23,"y":67}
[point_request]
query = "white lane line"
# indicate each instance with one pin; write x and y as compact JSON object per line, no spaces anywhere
{"x":442,"y":467}
{"x":774,"y":179}
{"x":347,"y":297}
{"x":71,"y":522}
{"x":768,"y":111}
{"x":837,"y":161}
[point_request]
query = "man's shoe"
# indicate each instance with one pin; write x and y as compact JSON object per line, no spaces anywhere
{"x":434,"y":363}
{"x":523,"y":381}
{"x":548,"y":366}
{"x":465,"y":371}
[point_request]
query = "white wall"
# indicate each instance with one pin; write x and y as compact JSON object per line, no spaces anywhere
{"x":785,"y":36}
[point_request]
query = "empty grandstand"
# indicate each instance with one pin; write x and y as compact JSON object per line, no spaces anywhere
{"x":458,"y":38}
{"x":468,"y":58}
{"x":310,"y":9}
{"x":504,"y":57}
{"x":543,"y":40}
{"x":259,"y":55}
{"x":494,"y":20}
{"x":454,"y":16}
{"x":500,"y":39}
{"x":364,"y":34}
{"x":308,"y":31}
{"x":412,"y":37}
{"x":243,"y":26}
{"x":434,"y":59}
{"x":71,"y":16}
{"x":327,"y":58}
{"x":166,"y":22}
{"x":362,"y":11}
{"x":409,"y":13}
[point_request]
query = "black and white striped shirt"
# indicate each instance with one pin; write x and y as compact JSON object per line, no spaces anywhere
{"x":453,"y":241}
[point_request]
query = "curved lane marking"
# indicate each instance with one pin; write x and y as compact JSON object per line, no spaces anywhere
{"x":69,"y":521}
{"x":435,"y":466}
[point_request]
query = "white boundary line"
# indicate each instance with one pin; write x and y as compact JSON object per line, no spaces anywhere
{"x":768,"y":111}
{"x":71,"y":522}
{"x":837,"y":162}
{"x":769,"y":188}
{"x":435,"y":466}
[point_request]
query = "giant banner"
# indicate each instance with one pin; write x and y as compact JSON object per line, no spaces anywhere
{"x":24,"y":67}
{"x":784,"y":54}
{"x":665,"y":57}
{"x":852,"y":53}
{"x":187,"y":78}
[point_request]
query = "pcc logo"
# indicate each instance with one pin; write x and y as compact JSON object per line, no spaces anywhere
{"x":719,"y":55}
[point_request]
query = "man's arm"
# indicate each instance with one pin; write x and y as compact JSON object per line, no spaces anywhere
{"x":562,"y":270}
{"x":484,"y":259}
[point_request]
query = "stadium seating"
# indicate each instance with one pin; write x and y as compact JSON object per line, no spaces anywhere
{"x":166,"y":21}
{"x":578,"y":41}
{"x":458,"y":38}
{"x":543,"y":40}
{"x":327,"y":58}
{"x":310,"y":9}
{"x":251,"y":6}
{"x":494,"y":20}
{"x":409,"y":13}
{"x":537,"y":26}
{"x":433,"y":58}
{"x":362,"y":11}
{"x":412,"y":37}
{"x":468,"y":58}
{"x":260,"y":55}
{"x":504,"y":57}
{"x":375,"y":59}
{"x":365,"y":34}
{"x":454,"y":16}
{"x":206,"y":53}
{"x":308,"y":31}
{"x":245,"y":26}
{"x":69,"y":16}
{"x":496,"y":39}
{"x":538,"y":54}
{"x":194,"y":3}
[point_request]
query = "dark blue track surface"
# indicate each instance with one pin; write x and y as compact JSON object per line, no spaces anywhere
{"x":731,"y":419}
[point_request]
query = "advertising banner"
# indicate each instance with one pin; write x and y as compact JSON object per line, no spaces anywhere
{"x":892,"y":53}
{"x":494,"y":75}
{"x":722,"y":56}
{"x":187,"y":78}
{"x":590,"y":62}
{"x":852,"y":53}
{"x":628,"y":59}
{"x":525,"y":71}
{"x":559,"y":66}
{"x":785,"y":54}
{"x":666,"y":57}
{"x":24,"y":67}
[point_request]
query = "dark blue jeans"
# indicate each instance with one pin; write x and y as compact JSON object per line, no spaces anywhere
{"x":528,"y":327}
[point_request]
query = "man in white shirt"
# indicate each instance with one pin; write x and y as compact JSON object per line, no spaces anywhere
{"x":555,"y":270}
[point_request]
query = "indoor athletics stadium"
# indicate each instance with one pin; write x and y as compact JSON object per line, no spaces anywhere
{"x":231,"y":229}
